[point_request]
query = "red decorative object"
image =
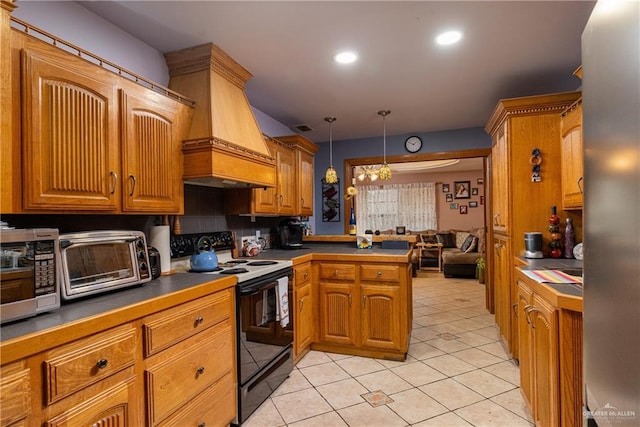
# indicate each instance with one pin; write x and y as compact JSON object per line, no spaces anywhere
{"x":555,"y":245}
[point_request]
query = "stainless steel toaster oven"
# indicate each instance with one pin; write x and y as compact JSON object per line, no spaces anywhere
{"x":95,"y":262}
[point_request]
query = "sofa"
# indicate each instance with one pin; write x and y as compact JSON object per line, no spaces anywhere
{"x":460,"y":250}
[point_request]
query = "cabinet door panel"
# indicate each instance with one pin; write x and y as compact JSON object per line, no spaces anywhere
{"x":338,"y":316}
{"x":70,"y":140}
{"x":286,"y":181}
{"x":572,"y":158}
{"x":525,"y":296}
{"x":152,"y":157}
{"x":544,"y":321}
{"x":381,"y":317}
{"x":305,"y":184}
{"x":303,"y":318}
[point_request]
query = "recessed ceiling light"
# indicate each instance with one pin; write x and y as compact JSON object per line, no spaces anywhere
{"x":449,"y":37}
{"x":345,"y":57}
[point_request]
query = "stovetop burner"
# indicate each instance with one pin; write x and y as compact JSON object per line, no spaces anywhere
{"x":207,"y":271}
{"x":265,"y":262}
{"x":234,"y":271}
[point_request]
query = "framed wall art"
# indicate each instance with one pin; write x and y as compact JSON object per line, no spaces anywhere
{"x":445,"y":188}
{"x":449,"y":197}
{"x":330,"y":202}
{"x":463,"y":209}
{"x":462,"y":189}
{"x":473,"y":204}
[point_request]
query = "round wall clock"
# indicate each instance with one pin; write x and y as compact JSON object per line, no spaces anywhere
{"x":413,"y":144}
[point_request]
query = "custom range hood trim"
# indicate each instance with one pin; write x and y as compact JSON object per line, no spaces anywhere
{"x":225,"y":147}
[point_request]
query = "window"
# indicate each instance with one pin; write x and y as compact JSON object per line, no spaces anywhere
{"x":386,"y":207}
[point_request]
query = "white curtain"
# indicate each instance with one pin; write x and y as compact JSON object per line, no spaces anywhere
{"x":386,"y":207}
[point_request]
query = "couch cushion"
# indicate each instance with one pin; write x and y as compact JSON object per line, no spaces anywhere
{"x":448,"y":240}
{"x":459,"y":257}
{"x":470,"y":244}
{"x":461,"y":236}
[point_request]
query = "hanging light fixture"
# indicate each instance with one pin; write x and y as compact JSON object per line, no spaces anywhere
{"x":330,"y":177}
{"x":384,"y":172}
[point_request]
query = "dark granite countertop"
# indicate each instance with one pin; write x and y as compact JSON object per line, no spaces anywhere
{"x":330,"y":249}
{"x":570,"y":266}
{"x":75,"y":311}
{"x":93,"y":306}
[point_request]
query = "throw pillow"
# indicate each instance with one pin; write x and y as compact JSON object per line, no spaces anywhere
{"x":428,"y":238}
{"x":469,"y":244}
{"x":461,"y":236}
{"x":448,"y":240}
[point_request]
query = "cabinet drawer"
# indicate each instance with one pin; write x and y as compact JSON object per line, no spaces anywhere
{"x":380,"y":273}
{"x":302,"y":274}
{"x":216,"y":406}
{"x":337,"y":271}
{"x":185,"y":375}
{"x":74,"y":366}
{"x":174,"y":325}
{"x":109,"y":408}
{"x":15,"y":395}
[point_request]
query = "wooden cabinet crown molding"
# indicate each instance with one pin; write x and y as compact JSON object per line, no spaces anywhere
{"x":530,"y":105}
{"x":9,"y":5}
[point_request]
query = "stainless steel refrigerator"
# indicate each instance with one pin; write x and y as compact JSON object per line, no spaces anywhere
{"x":611,"y":108}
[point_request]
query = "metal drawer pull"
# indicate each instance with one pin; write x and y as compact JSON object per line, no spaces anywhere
{"x":114,"y":181}
{"x":199,"y":320}
{"x":379,"y":273}
{"x":526,"y":312}
{"x":200,"y":370}
{"x":580,"y":185}
{"x":534,"y":310}
{"x":301,"y":303}
{"x":350,"y":296}
{"x":102,"y":363}
{"x":364,"y":301}
{"x":306,"y":274}
{"x":133,"y":184}
{"x":202,"y":424}
{"x":336,"y":272}
{"x":515,"y":309}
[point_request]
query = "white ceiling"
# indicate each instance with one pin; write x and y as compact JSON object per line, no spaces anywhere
{"x":509,"y":49}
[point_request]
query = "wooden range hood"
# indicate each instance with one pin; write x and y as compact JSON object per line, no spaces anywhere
{"x":224,"y":147}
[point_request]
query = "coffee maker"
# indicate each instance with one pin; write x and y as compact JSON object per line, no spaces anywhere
{"x":291,"y":232}
{"x":533,"y":245}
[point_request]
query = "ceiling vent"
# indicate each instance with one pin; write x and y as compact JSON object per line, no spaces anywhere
{"x":302,"y":128}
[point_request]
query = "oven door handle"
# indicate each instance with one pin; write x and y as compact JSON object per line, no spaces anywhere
{"x":255,"y":290}
{"x":65,"y":243}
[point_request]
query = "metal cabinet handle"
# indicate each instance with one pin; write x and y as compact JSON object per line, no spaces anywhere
{"x":526,"y":312}
{"x":364,"y":301}
{"x":301,"y":303}
{"x":202,"y":424}
{"x":114,"y":181}
{"x":336,"y":273}
{"x":379,"y":273}
{"x":133,"y":184}
{"x":580,"y":185}
{"x":306,"y":274}
{"x":102,"y":363}
{"x":515,"y":309}
{"x":199,"y":320}
{"x":533,"y":310}
{"x":495,"y":219}
{"x":200,"y":370}
{"x":350,"y":297}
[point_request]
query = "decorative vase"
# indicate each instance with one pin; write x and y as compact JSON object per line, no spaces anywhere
{"x":555,"y":244}
{"x":569,"y":239}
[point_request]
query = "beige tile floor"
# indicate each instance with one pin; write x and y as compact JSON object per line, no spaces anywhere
{"x":456,"y":373}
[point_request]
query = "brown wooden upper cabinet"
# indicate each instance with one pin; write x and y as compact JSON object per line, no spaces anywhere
{"x":293,"y":194}
{"x":572,"y":157}
{"x":93,"y":141}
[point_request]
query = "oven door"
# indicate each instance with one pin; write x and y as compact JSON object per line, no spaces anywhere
{"x":262,"y":337}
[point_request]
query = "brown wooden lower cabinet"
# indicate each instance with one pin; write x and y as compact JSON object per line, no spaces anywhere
{"x":550,"y":349}
{"x":173,"y":366}
{"x":364,"y":308}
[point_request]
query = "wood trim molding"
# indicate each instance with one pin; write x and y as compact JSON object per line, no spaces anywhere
{"x":349,"y":164}
{"x":9,"y":5}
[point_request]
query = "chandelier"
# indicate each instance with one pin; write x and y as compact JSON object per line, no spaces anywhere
{"x":330,"y":177}
{"x":383,"y":172}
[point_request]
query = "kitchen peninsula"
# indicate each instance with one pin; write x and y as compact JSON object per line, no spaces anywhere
{"x":112,"y":353}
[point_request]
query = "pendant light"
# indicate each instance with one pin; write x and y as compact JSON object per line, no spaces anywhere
{"x":384,"y":172}
{"x":330,"y":177}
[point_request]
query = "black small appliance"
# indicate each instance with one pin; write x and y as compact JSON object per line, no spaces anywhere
{"x":154,"y":262}
{"x":291,"y":232}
